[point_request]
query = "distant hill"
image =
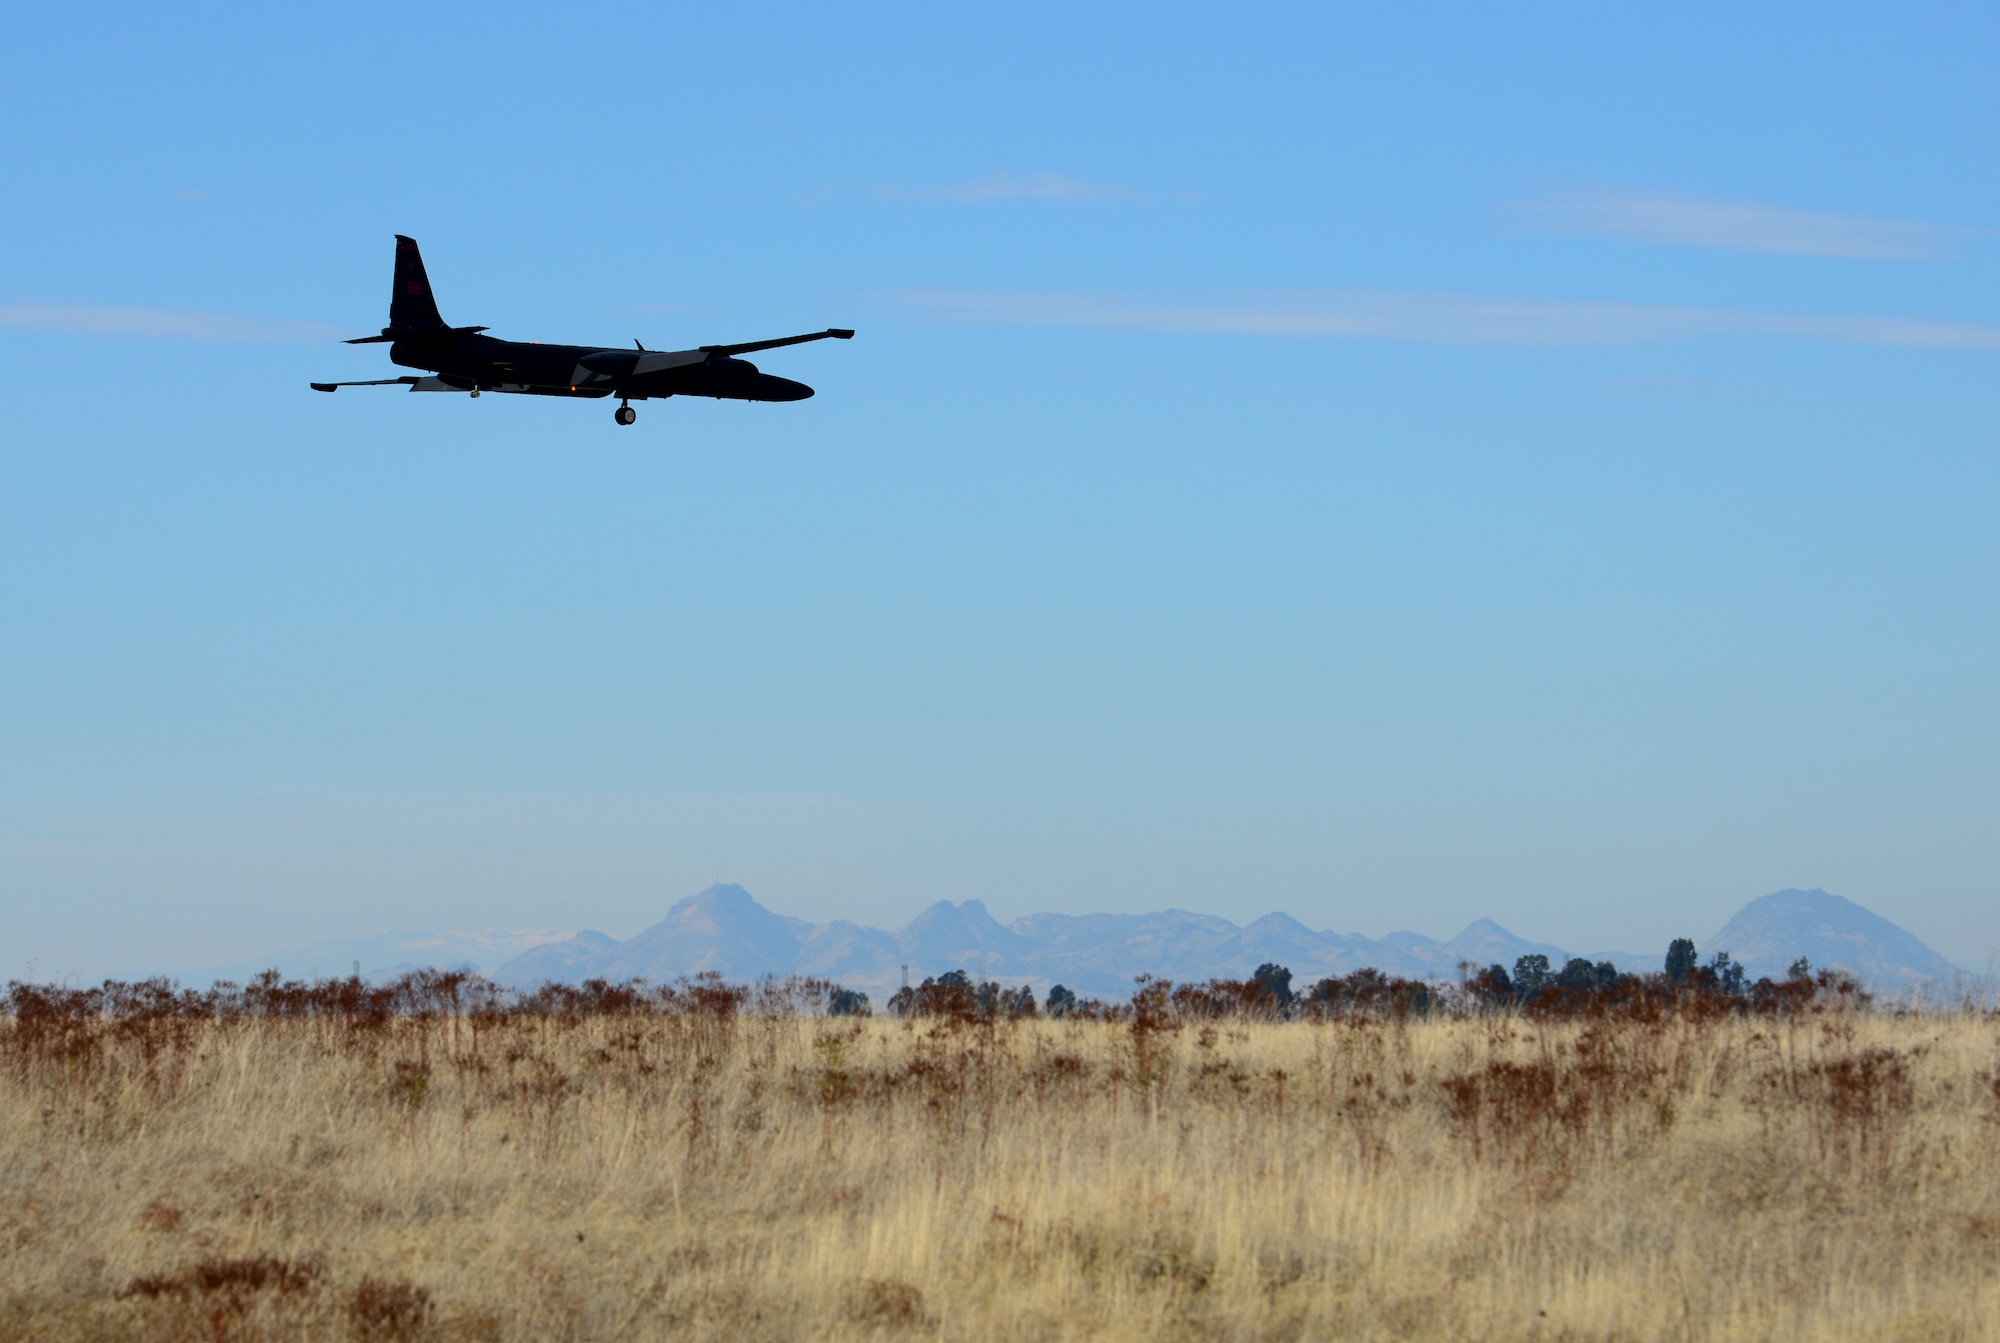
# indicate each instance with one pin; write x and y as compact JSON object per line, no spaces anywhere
{"x":566,"y":960}
{"x":392,"y":953}
{"x":1772,"y":931}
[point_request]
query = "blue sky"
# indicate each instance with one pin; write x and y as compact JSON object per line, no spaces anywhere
{"x":1391,"y":464}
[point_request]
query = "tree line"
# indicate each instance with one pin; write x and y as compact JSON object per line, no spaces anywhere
{"x":1533,"y":985}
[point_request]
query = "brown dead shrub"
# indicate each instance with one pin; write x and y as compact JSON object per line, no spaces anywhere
{"x":886,"y":1303}
{"x":381,"y":1310}
{"x":231,"y":1277}
{"x":158,"y":1216}
{"x":225,"y":1300}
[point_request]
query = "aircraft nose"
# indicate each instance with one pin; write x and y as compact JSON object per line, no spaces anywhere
{"x":770,"y":388}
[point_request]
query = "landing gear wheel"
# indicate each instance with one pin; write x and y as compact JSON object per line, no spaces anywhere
{"x":625,"y":415}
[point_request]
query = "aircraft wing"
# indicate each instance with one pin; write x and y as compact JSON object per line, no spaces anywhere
{"x":751,"y":347}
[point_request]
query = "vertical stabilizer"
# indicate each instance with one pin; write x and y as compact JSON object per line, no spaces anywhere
{"x":411,"y":307}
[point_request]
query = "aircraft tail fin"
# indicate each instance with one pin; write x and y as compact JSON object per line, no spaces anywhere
{"x":411,"y":306}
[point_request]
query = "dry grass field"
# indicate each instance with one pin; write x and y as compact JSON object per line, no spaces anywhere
{"x":709,"y":1173}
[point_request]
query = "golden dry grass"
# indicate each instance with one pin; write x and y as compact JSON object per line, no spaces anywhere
{"x":1833,"y":1175}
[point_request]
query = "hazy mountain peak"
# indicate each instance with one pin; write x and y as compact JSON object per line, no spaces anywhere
{"x":965,"y":931}
{"x":966,"y":913}
{"x":1832,"y":932}
{"x":1484,"y":942}
{"x":1278,"y":922}
{"x":724,"y":894}
{"x":721,"y":929}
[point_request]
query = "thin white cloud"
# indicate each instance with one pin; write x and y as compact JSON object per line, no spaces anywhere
{"x":1738,"y":226}
{"x":1033,"y":187}
{"x":1461,"y":319}
{"x":187,"y":194}
{"x":1053,"y":187}
{"x":103,"y":319}
{"x":1689,"y":389}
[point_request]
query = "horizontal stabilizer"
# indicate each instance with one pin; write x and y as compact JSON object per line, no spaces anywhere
{"x":391,"y":333}
{"x":376,"y":382}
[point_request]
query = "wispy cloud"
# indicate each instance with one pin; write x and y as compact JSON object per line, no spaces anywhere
{"x":186,"y":194}
{"x":1464,"y":319}
{"x":1033,"y":187}
{"x":1054,"y":187}
{"x":101,"y":319}
{"x":1737,"y":226}
{"x":1689,"y":389}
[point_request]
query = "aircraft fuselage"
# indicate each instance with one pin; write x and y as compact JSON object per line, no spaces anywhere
{"x":467,"y":362}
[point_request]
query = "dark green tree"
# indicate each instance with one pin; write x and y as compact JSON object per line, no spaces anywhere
{"x":1017,"y":1002}
{"x":1531,"y":975}
{"x":1581,"y":974}
{"x":1801,"y":969}
{"x":1277,"y":980}
{"x":1490,"y":987}
{"x":1680,"y":959}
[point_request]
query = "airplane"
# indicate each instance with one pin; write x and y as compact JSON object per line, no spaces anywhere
{"x":463,"y":359}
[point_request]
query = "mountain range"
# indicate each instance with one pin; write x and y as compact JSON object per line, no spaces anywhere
{"x":725,"y":930}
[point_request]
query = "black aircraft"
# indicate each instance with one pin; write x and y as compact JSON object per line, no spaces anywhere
{"x":463,"y":360}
